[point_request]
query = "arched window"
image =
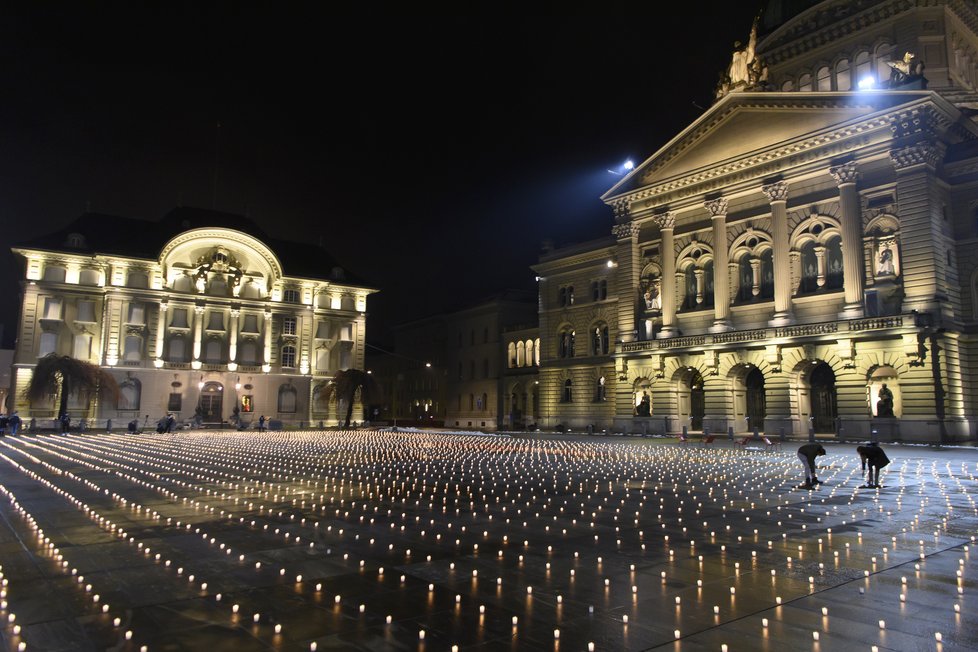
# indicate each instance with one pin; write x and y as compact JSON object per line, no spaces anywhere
{"x":767,"y":274}
{"x":520,"y":355}
{"x":288,"y":356}
{"x":218,"y":287}
{"x":883,"y":55}
{"x":599,"y":339}
{"x":642,"y":394}
{"x":54,"y":273}
{"x":130,"y":391}
{"x":689,"y":296}
{"x":536,"y":352}
{"x":788,"y":86}
{"x":565,"y":343}
{"x":842,"y":81}
{"x":182,"y":283}
{"x":745,"y":273}
{"x":805,"y":82}
{"x":833,"y":263}
{"x":809,"y":268}
{"x":823,"y":79}
{"x":707,"y":285}
{"x":600,"y":390}
{"x":511,"y":349}
{"x":286,"y":398}
{"x":864,"y":67}
{"x":88,"y":277}
{"x":137,"y":279}
{"x":567,"y":396}
{"x":530,"y":353}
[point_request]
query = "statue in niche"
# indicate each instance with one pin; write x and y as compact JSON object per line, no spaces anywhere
{"x":652,"y":294}
{"x":644,"y":407}
{"x":884,"y":406}
{"x":885,"y":265}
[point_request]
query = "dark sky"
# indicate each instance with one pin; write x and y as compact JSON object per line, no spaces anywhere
{"x":431,"y":155}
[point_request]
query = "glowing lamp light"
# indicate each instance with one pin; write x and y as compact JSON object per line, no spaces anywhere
{"x":629,"y":165}
{"x":866,"y":83}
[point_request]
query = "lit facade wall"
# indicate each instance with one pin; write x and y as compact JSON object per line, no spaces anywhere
{"x":789,"y":253}
{"x":213,"y":323}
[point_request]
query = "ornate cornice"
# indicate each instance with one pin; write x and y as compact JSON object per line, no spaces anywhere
{"x":777,"y":191}
{"x":717,"y":207}
{"x":620,"y":209}
{"x":922,"y":153}
{"x":919,"y":121}
{"x":626,"y":231}
{"x":845,"y":173}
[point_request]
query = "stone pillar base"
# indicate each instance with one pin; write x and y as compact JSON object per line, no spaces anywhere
{"x":721,"y":326}
{"x":782,"y":319}
{"x":666,"y":332}
{"x":852,"y":311}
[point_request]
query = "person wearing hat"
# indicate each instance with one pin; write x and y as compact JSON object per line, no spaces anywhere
{"x":807,"y":455}
{"x":874,"y":459}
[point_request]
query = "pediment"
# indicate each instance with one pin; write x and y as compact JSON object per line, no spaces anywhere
{"x":744,"y":125}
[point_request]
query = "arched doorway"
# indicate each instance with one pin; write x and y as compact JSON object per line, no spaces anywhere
{"x":691,"y":390}
{"x":823,"y":398}
{"x":211,"y":400}
{"x":756,"y":407}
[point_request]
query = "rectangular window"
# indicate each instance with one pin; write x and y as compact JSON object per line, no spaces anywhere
{"x":290,"y":296}
{"x":175,"y":402}
{"x":288,"y":356}
{"x":52,"y":309}
{"x":179,"y":318}
{"x":215,"y":321}
{"x":322,"y":330}
{"x":288,"y":325}
{"x":86,"y":312}
{"x":250,"y":324}
{"x":137,"y":314}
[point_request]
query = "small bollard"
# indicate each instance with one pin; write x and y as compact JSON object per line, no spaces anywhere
{"x":781,"y":434}
{"x":685,"y":431}
{"x":730,"y":434}
{"x":874,"y":435}
{"x":757,"y":435}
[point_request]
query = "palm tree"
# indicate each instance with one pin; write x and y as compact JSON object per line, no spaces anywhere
{"x":62,"y":372}
{"x":345,"y":385}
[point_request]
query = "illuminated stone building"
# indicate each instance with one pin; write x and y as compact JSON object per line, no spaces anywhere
{"x":198,"y":312}
{"x":810,"y":238}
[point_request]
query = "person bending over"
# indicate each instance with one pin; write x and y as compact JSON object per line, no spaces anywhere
{"x":807,"y":455}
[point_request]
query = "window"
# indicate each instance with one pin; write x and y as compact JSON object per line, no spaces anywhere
{"x":562,"y":297}
{"x":833,"y":264}
{"x":130,"y":391}
{"x":599,"y":340}
{"x":570,"y":295}
{"x":529,"y":353}
{"x":767,"y":274}
{"x":179,"y":318}
{"x":133,"y":351}
{"x":565,"y":343}
{"x":511,"y":350}
{"x":809,"y":268}
{"x":174,"y":403}
{"x":520,"y":354}
{"x":567,"y":395}
{"x":288,"y":326}
{"x":842,"y":81}
{"x":600,"y":390}
{"x":322,"y":330}
{"x":212,"y":354}
{"x":603,"y":290}
{"x":248,"y":352}
{"x":52,"y":309}
{"x":823,"y":79}
{"x":177,"y":350}
{"x":88,"y":277}
{"x":137,"y":279}
{"x":594,"y":291}
{"x":48,"y":344}
{"x":54,"y":273}
{"x":288,"y":356}
{"x":290,"y":295}
{"x":745,"y":276}
{"x":788,"y":86}
{"x":86,"y":312}
{"x":286,"y":399}
{"x":82,"y":349}
{"x":250,"y":324}
{"x":864,"y":67}
{"x":215,"y":320}
{"x":805,"y":82}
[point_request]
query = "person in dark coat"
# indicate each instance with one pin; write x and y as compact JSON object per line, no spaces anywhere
{"x":14,"y":422}
{"x":133,"y":426}
{"x":170,"y":422}
{"x":65,"y":423}
{"x":807,"y":455}
{"x":874,"y":458}
{"x":261,"y":423}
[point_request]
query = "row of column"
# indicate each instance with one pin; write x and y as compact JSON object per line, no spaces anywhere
{"x":845,"y":176}
{"x":233,"y":329}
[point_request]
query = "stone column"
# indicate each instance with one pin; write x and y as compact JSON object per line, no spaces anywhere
{"x":755,"y":275}
{"x":234,"y":326}
{"x":667,"y":252}
{"x":160,"y":334}
{"x":267,"y":354}
{"x":820,"y":265}
{"x":852,"y":238}
{"x":198,"y":333}
{"x":721,"y":275}
{"x":777,"y":194}
{"x":629,"y":270}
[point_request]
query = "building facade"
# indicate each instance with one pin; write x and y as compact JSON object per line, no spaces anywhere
{"x":198,"y":315}
{"x":803,"y":256}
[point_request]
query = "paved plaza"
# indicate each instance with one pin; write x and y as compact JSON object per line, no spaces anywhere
{"x":364,"y":540}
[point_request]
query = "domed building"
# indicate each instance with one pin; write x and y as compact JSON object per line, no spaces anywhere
{"x":199,"y":315}
{"x":800,"y":258}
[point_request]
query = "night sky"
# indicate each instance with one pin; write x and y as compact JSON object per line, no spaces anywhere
{"x":431,"y":156}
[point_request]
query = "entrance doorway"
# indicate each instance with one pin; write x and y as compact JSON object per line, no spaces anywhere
{"x":697,"y":400}
{"x":823,"y":398}
{"x":211,"y":400}
{"x":756,"y":401}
